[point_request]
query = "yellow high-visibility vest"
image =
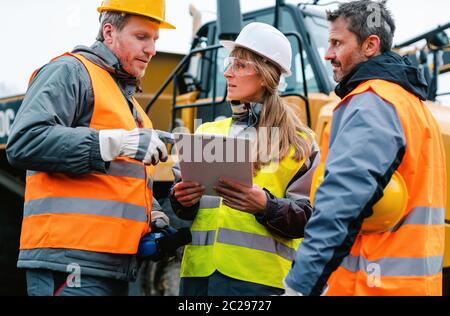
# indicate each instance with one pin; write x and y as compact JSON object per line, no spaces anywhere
{"x":233,"y":242}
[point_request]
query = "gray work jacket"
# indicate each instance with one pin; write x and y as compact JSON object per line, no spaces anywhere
{"x":51,"y":133}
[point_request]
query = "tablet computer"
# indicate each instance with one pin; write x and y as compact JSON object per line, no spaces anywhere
{"x":204,"y":158}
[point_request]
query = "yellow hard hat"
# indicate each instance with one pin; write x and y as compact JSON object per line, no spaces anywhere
{"x":387,"y":212}
{"x":154,"y":9}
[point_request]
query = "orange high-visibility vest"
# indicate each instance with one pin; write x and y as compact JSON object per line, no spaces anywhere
{"x":94,"y":212}
{"x":408,"y":259}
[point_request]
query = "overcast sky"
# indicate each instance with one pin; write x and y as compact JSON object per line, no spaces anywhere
{"x":32,"y":32}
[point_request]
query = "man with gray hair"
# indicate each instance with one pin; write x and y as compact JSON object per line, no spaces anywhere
{"x":89,"y":149}
{"x":380,"y":127}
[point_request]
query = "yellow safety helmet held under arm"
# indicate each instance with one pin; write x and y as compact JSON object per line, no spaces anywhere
{"x":154,"y":9}
{"x":387,"y":212}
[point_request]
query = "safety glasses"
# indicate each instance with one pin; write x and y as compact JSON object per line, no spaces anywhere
{"x":239,"y":67}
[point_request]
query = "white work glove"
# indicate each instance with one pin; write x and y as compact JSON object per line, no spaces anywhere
{"x":142,"y":144}
{"x":159,"y":219}
{"x":290,"y":291}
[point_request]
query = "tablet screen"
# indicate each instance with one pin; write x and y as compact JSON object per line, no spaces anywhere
{"x":205,"y":158}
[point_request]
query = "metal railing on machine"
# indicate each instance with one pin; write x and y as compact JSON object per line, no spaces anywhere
{"x":173,"y":77}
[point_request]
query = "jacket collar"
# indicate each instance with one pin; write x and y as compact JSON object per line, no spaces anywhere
{"x":102,"y":56}
{"x":388,"y":66}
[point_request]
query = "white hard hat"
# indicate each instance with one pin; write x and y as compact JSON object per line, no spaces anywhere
{"x":266,"y":41}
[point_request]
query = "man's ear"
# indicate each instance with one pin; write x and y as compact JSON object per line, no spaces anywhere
{"x":372,"y":46}
{"x":108,"y":31}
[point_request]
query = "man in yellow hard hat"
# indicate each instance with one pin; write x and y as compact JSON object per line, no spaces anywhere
{"x":89,"y":149}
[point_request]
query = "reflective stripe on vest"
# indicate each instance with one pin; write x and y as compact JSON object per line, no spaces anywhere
{"x":416,"y":267}
{"x":118,"y":168}
{"x":122,"y":168}
{"x":93,"y":212}
{"x":422,"y":216}
{"x":233,"y":242}
{"x":203,"y":238}
{"x":408,"y":259}
{"x":86,"y":207}
{"x":255,"y":241}
{"x":209,"y":202}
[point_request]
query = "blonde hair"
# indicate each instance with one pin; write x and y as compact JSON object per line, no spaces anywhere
{"x":276,"y":113}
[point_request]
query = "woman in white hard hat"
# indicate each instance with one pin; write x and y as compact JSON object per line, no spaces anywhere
{"x":244,"y":243}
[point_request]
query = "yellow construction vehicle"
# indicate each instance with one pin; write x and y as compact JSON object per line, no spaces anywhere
{"x":199,"y":89}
